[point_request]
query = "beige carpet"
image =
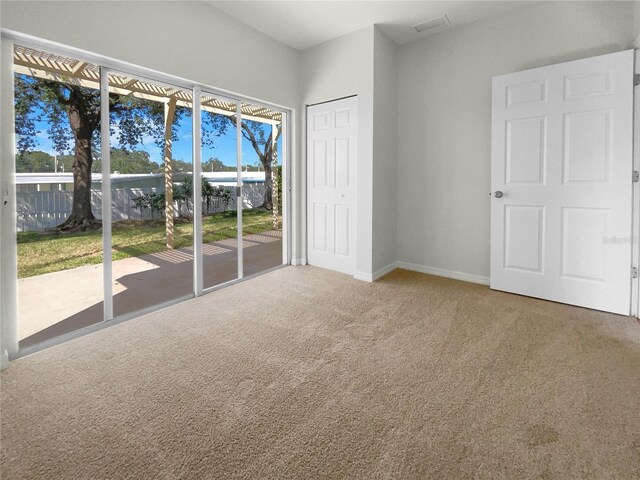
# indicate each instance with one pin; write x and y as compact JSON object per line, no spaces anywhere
{"x":304,"y":373}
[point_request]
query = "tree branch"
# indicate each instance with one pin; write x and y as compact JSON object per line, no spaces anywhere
{"x":55,"y":89}
{"x":248,"y":134}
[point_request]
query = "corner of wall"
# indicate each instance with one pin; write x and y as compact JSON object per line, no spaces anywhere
{"x":385,"y":152}
{"x":335,"y":69}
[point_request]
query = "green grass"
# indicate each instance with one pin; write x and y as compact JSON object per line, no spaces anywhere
{"x":40,"y":253}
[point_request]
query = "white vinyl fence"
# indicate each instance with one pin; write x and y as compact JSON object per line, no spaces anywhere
{"x":40,"y":210}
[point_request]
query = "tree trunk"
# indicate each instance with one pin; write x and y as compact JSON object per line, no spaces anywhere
{"x":83,"y":120}
{"x":268,"y":186}
{"x":81,"y":216}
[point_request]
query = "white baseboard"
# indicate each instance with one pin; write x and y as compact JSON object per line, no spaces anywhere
{"x":363,"y":276}
{"x":442,"y":272}
{"x":384,"y":270}
{"x":415,"y":267}
{"x":298,"y":261}
{"x":372,"y":277}
{"x":4,"y":360}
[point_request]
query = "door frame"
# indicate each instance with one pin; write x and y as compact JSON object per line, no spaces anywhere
{"x":9,"y":341}
{"x":305,"y":181}
{"x":635,"y":230}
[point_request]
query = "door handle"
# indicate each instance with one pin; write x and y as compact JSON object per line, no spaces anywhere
{"x":498,"y":194}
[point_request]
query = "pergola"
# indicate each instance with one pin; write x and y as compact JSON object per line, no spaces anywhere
{"x":63,"y":69}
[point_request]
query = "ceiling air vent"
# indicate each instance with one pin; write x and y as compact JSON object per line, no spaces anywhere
{"x":431,"y":24}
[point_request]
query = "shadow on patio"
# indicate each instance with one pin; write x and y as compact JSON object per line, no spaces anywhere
{"x":138,"y":283}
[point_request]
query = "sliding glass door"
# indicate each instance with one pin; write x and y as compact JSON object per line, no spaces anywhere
{"x":151,"y":173}
{"x":221,"y":211}
{"x":133,"y":193}
{"x":262,"y":175}
{"x":58,"y":156}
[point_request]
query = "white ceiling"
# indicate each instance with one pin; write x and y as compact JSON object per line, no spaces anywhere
{"x":303,"y":24}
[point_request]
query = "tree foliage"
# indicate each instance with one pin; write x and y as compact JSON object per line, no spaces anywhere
{"x":72,"y":112}
{"x":183,"y":194}
{"x":263,"y":146}
{"x":214,"y":165}
{"x":34,"y":162}
{"x":125,"y":161}
{"x":122,"y":161}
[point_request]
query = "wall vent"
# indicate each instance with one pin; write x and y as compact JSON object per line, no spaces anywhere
{"x":431,"y":24}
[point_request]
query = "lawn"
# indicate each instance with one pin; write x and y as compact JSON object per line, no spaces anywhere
{"x":40,"y":253}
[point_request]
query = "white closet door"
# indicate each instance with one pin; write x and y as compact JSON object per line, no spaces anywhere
{"x":331,"y":184}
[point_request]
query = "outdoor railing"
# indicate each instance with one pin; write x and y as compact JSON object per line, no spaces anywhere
{"x":47,"y":209}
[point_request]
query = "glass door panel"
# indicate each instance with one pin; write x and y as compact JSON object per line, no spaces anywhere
{"x":151,"y":193}
{"x":220,"y":216}
{"x":262,"y":176}
{"x":58,"y":196}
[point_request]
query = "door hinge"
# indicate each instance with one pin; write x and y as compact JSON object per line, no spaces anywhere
{"x":634,"y":272}
{"x":636,"y":79}
{"x":636,"y":176}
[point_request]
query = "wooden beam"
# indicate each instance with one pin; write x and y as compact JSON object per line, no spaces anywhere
{"x":274,"y":175}
{"x":78,"y":67}
{"x":173,"y":92}
{"x":169,"y":113}
{"x":130,"y":83}
{"x":85,"y":78}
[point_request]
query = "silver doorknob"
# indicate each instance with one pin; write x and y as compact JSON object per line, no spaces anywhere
{"x":498,"y":194}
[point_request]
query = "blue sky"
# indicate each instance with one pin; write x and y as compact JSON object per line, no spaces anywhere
{"x":224,"y":146}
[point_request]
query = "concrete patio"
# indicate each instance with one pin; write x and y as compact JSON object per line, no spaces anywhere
{"x":61,"y":302}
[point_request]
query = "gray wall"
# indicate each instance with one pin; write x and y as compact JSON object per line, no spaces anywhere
{"x":385,"y":152}
{"x":444,"y":121}
{"x":636,"y":22}
{"x":192,"y":40}
{"x":335,"y":69}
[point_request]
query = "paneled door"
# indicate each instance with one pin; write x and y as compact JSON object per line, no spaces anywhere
{"x":561,"y":179}
{"x":331,"y":184}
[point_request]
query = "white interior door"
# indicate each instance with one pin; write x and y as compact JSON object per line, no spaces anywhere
{"x":331,"y":184}
{"x":561,"y":179}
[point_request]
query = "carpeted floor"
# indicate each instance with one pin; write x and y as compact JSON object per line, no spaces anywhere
{"x":304,"y":373}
